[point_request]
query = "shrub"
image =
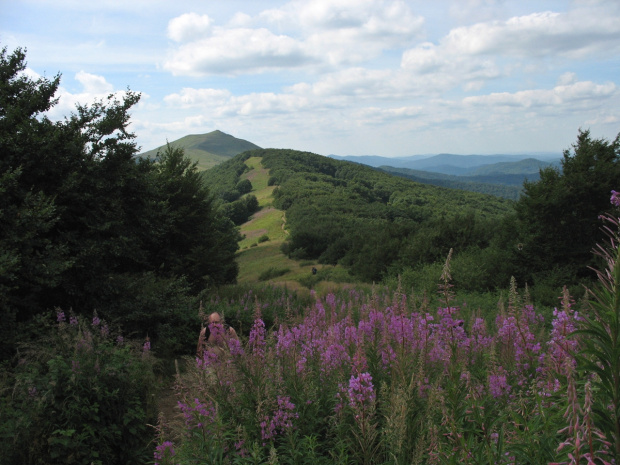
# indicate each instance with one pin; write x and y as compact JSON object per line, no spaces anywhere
{"x":272,"y":272}
{"x":79,"y":394}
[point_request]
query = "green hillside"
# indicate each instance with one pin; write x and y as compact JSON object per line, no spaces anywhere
{"x":529,"y":166}
{"x":483,"y":185}
{"x":349,"y":219}
{"x":208,"y":149}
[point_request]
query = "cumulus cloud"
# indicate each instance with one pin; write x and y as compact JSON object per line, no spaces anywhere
{"x":189,"y":98}
{"x":234,"y":51}
{"x":310,"y":33}
{"x":584,"y":93}
{"x":94,"y":84}
{"x":538,"y":34}
{"x":94,"y":88}
{"x":189,"y":26}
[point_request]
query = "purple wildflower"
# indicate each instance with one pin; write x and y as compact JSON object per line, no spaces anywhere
{"x":257,"y":338}
{"x":361,"y":390}
{"x":163,"y":453}
{"x":73,"y":321}
{"x":60,"y":316}
{"x":281,"y":420}
{"x":199,"y":415}
{"x":498,"y":385}
{"x":615,"y":198}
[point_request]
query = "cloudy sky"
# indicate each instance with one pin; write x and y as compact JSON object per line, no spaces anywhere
{"x":346,"y":77}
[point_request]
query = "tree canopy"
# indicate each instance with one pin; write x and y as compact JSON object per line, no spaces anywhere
{"x":84,"y":222}
{"x":558,"y":215}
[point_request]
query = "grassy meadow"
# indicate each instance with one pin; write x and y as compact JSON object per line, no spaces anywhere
{"x":263,"y":236}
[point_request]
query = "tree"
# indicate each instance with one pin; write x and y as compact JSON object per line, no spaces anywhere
{"x":558,"y":216}
{"x":84,"y":222}
{"x":199,"y":242}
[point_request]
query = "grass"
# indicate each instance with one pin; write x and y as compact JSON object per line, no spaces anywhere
{"x":256,"y":257}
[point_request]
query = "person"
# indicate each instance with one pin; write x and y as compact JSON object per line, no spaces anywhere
{"x":209,"y":334}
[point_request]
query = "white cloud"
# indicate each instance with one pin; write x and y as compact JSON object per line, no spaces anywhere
{"x":234,"y":51}
{"x":562,"y":97}
{"x":310,"y":33}
{"x":188,"y":27}
{"x":93,"y":84}
{"x":189,"y":97}
{"x":540,"y":34}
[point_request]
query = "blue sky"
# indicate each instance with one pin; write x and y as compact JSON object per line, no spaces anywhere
{"x":346,"y":77}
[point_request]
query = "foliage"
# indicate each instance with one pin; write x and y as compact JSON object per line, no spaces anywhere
{"x":83,"y":221}
{"x":382,"y":378}
{"x":342,"y":213}
{"x":79,"y":394}
{"x":271,"y":273}
{"x":500,"y":185}
{"x":557,"y":216}
{"x":601,"y":330}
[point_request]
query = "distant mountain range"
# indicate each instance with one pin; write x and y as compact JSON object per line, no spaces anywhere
{"x":208,"y":149}
{"x":500,"y":175}
{"x":459,"y":165}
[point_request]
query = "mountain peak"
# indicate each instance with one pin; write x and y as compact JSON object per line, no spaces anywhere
{"x":208,"y":149}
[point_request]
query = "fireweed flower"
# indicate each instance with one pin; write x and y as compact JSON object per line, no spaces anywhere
{"x":256,"y":340}
{"x":235,"y":347}
{"x":361,"y":391}
{"x":60,"y":316}
{"x":498,"y":385}
{"x":96,"y":320}
{"x":615,"y":198}
{"x":73,"y":321}
{"x":561,"y":346}
{"x":280,"y":421}
{"x":163,"y":453}
{"x":199,"y":415}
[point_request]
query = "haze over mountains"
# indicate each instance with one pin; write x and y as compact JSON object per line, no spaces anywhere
{"x":502,"y":175}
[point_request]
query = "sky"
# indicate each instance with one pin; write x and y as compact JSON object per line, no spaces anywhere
{"x":346,"y":77}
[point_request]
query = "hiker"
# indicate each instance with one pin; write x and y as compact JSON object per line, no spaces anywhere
{"x":214,"y":332}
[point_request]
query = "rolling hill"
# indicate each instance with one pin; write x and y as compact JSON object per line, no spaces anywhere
{"x":209,"y":149}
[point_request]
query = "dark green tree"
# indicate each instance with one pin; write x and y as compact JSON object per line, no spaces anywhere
{"x":558,"y":215}
{"x":85,"y":223}
{"x":199,"y":242}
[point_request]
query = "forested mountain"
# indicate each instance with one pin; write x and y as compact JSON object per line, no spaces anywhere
{"x":380,"y":226}
{"x":482,"y":184}
{"x":208,"y":149}
{"x":363,"y":218}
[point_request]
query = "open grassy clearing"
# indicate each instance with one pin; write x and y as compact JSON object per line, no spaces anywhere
{"x":267,"y":221}
{"x":259,"y":259}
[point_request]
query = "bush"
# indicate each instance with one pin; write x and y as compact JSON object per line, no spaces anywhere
{"x":263,"y":238}
{"x":273,"y":273}
{"x":79,"y":394}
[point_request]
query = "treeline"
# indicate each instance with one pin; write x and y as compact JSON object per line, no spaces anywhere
{"x":369,"y":221}
{"x":233,"y":192}
{"x":86,"y":225}
{"x":503,"y":185}
{"x":384,"y":228}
